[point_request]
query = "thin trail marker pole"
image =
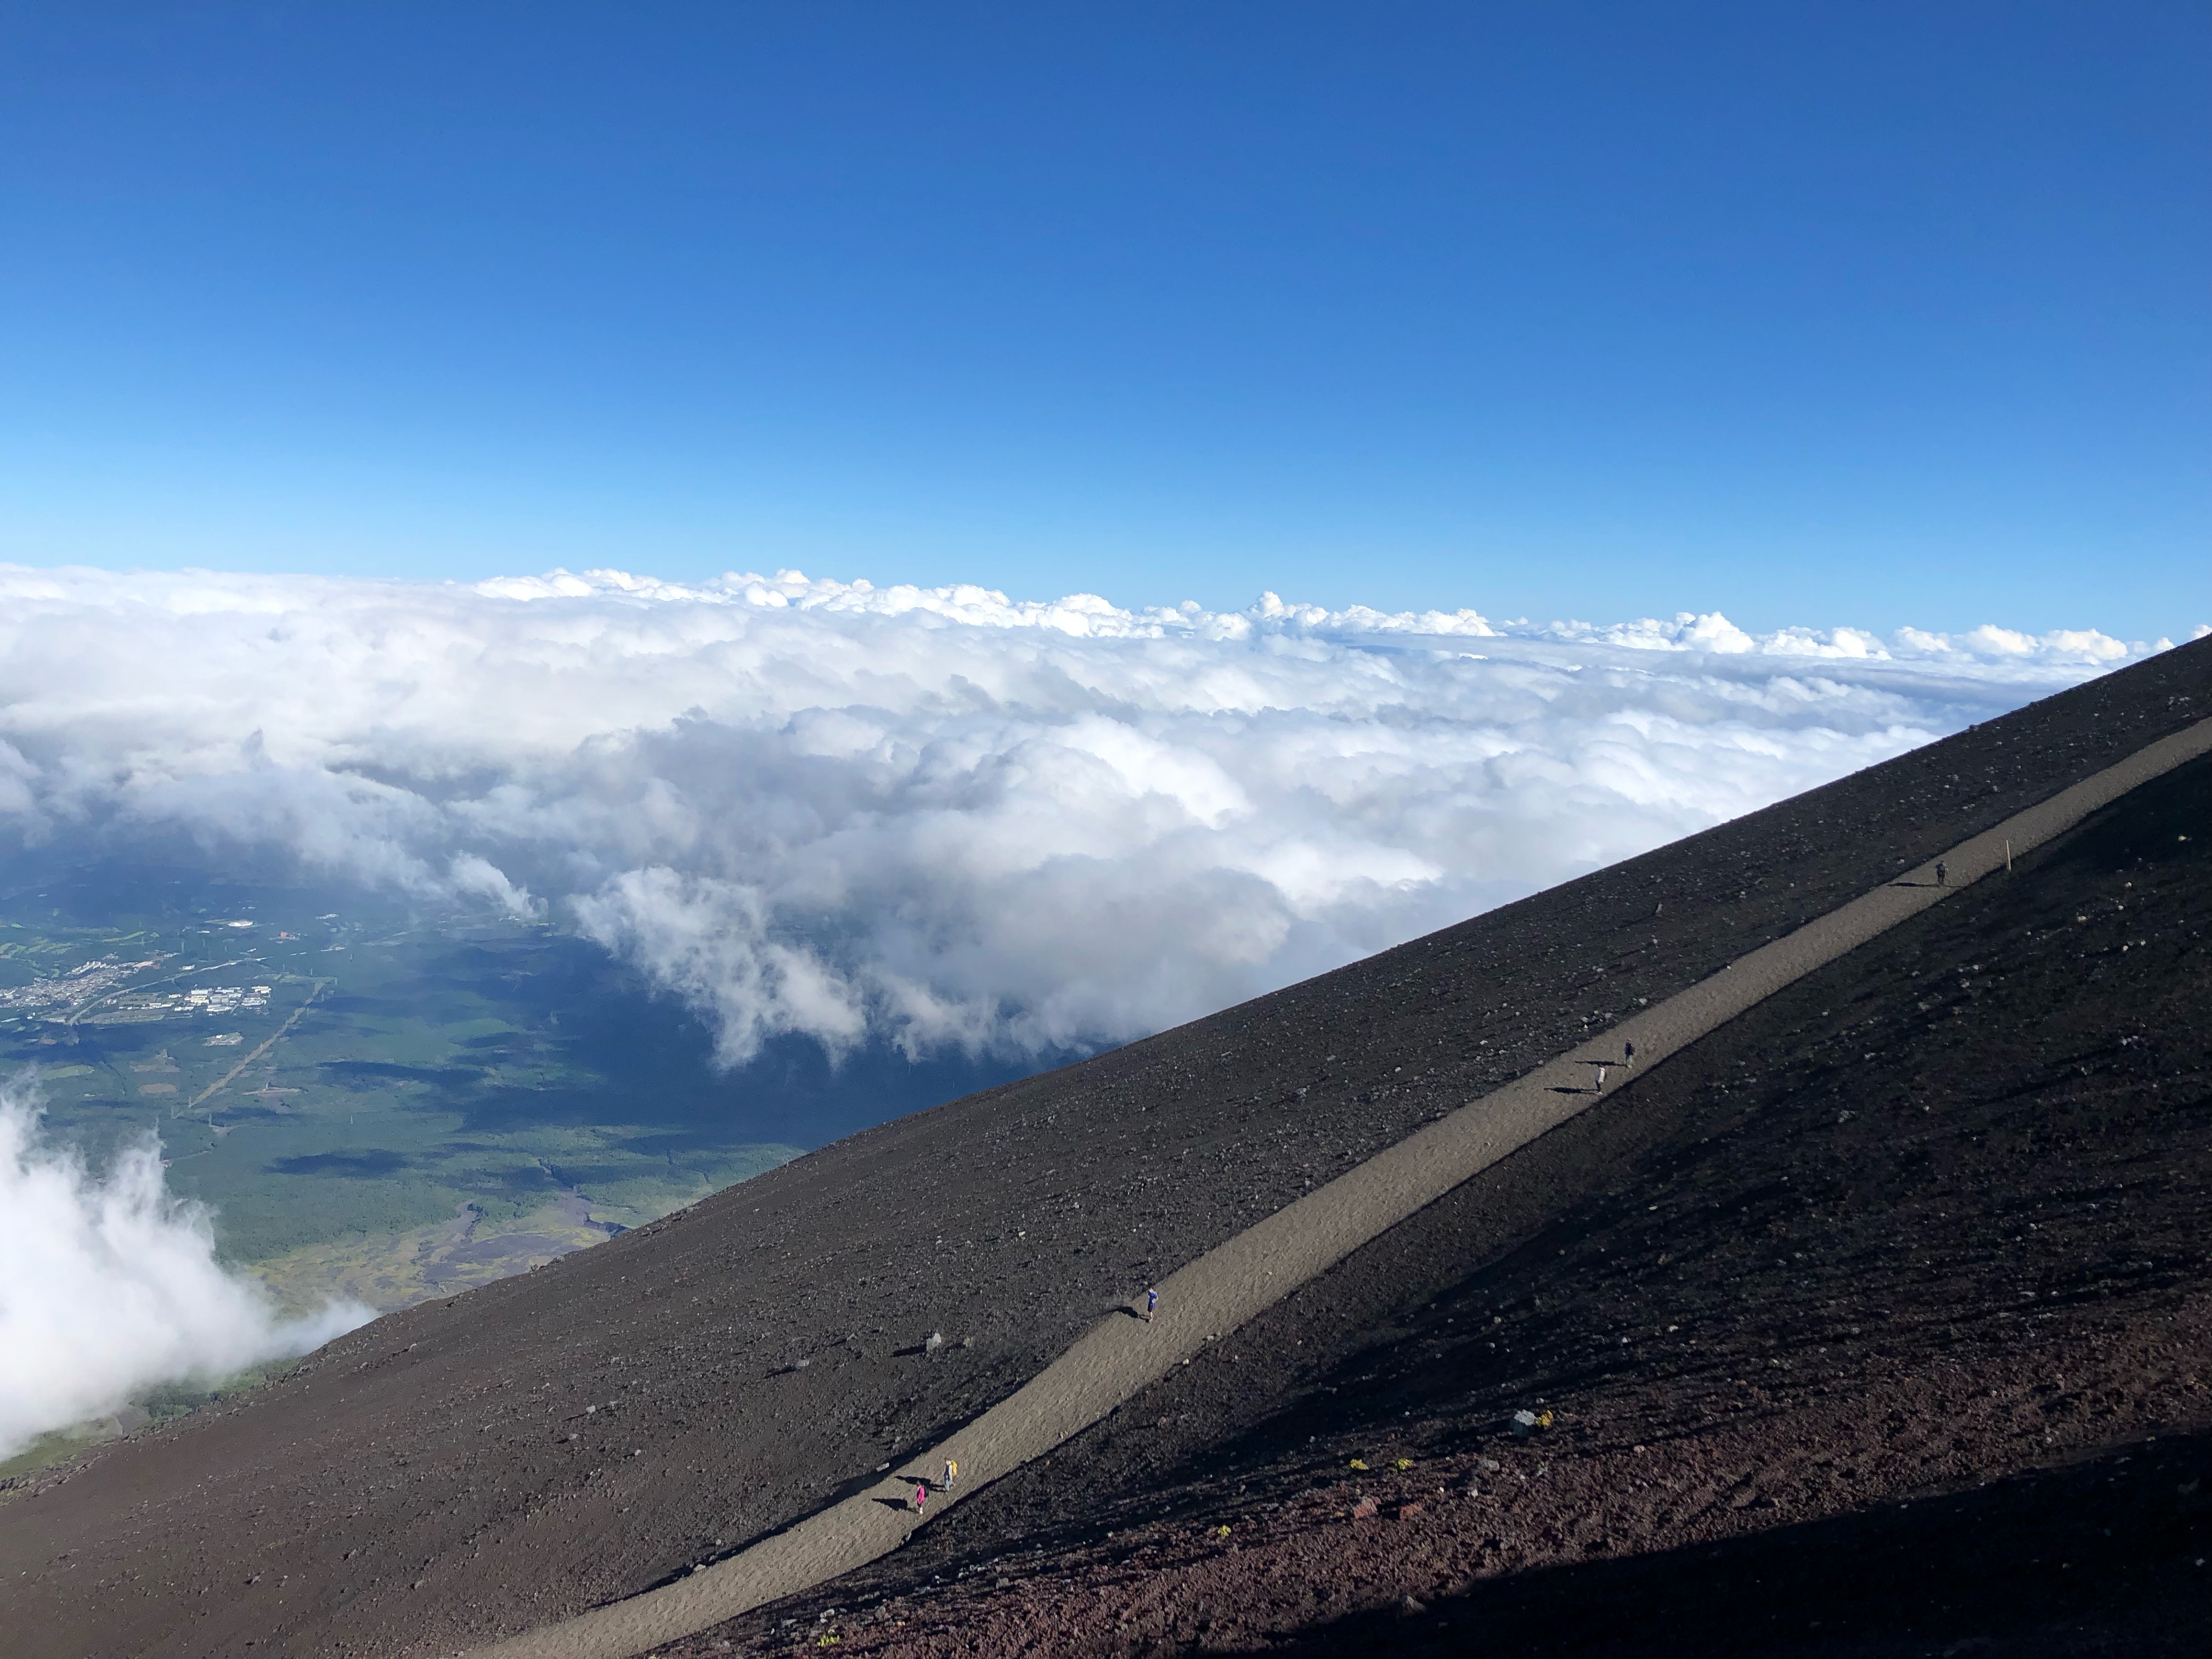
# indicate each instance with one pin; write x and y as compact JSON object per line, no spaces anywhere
{"x":2008,"y":855}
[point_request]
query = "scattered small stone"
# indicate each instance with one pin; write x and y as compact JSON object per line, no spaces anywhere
{"x":1363,"y":1509}
{"x":933,"y":1342}
{"x":1413,"y":1607}
{"x":1407,"y":1512}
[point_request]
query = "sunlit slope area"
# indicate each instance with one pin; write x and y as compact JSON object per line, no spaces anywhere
{"x":479,"y":1465}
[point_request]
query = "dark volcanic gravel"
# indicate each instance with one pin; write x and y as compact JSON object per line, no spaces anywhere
{"x":1878,"y":1323}
{"x":474,"y":1467}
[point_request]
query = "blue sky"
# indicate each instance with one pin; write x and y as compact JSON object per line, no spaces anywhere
{"x":1860,"y":313}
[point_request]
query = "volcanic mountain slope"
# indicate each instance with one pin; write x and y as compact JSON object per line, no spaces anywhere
{"x":475,"y":1466}
{"x":1877,"y":1323}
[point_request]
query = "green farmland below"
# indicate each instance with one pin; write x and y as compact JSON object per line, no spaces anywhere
{"x":390,"y":1104}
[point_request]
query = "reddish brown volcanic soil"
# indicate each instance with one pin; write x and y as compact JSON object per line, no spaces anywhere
{"x":1841,"y":1203}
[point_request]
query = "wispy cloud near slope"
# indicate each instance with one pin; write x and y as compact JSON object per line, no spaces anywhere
{"x":938,"y":816}
{"x":108,"y":1285}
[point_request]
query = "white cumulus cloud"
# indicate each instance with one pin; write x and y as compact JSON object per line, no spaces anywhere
{"x":109,"y":1284}
{"x":938,"y":817}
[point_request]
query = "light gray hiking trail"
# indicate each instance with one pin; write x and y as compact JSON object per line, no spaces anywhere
{"x":1239,"y":1280}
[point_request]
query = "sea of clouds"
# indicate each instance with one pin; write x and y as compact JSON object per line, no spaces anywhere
{"x":936,"y":818}
{"x":939,"y":816}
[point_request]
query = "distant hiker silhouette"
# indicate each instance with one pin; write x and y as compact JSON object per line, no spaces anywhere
{"x":1628,"y":1057}
{"x":1152,"y":1304}
{"x":1942,"y":875}
{"x":952,"y":1473}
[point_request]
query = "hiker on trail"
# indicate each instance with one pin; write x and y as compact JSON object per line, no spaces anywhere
{"x":952,"y":1473}
{"x":920,"y":1495}
{"x":1628,"y":1057}
{"x":1601,"y":1080}
{"x":1942,"y":875}
{"x":1152,"y":1304}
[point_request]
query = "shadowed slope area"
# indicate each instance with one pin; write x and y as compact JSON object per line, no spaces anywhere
{"x":415,"y":1486}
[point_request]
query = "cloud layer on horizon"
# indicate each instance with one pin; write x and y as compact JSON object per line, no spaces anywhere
{"x":937,"y":817}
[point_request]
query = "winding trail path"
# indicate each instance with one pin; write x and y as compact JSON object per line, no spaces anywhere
{"x":1229,"y":1285}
